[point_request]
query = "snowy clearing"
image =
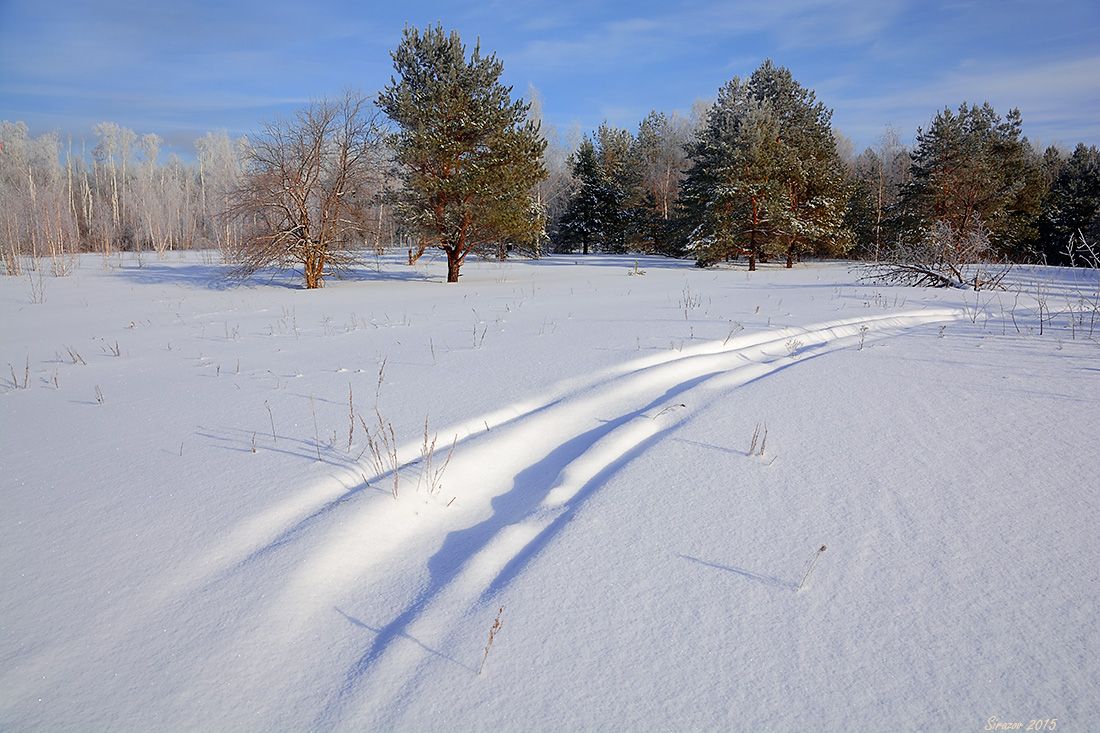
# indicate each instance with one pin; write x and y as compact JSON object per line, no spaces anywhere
{"x":196,"y":534}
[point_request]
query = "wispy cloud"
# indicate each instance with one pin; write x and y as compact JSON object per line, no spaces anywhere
{"x":1059,"y":100}
{"x":208,"y":64}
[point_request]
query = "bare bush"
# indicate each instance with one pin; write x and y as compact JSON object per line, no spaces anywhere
{"x":1083,"y":304}
{"x":307,"y":184}
{"x":943,"y":257}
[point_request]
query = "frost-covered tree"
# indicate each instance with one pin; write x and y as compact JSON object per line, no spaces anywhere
{"x":37,"y":212}
{"x":112,"y":155}
{"x":765,"y":179}
{"x":878,"y":173}
{"x":306,"y":183}
{"x":660,"y":148}
{"x":552,"y":193}
{"x":469,"y":156}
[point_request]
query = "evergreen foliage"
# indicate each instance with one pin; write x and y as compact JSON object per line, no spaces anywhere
{"x":969,"y":170}
{"x":622,"y":169}
{"x":765,"y":179}
{"x":595,"y":208}
{"x":1072,"y":205}
{"x":469,"y":155}
{"x":607,"y":210}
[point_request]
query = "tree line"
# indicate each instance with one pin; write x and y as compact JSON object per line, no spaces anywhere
{"x":444,"y":157}
{"x":763,"y":175}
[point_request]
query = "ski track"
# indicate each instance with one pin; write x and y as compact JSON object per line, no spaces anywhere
{"x":519,"y":474}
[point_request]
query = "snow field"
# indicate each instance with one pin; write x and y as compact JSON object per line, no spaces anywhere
{"x":170,"y":564}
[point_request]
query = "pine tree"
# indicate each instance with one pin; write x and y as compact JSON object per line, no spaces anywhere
{"x":973,"y":170}
{"x":470,"y":156}
{"x":595,"y":208}
{"x":1072,"y":205}
{"x":766,"y":180}
{"x":622,"y":170}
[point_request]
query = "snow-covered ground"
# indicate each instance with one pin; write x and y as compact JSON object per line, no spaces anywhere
{"x":194,"y":534}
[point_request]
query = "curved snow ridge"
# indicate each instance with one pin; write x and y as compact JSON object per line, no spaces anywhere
{"x":556,"y":456}
{"x":493,"y":448}
{"x":615,"y":417}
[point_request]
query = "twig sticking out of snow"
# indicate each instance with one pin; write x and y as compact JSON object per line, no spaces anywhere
{"x":493,"y":630}
{"x":810,"y":565}
{"x":667,"y":409}
{"x":762,"y":438}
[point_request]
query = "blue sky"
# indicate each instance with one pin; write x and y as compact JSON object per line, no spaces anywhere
{"x":185,"y":67}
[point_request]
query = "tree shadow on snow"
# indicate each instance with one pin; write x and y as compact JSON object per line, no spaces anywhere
{"x":530,"y":487}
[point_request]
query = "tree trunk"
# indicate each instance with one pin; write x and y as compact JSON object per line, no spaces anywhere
{"x":314,"y":268}
{"x":453,"y":263}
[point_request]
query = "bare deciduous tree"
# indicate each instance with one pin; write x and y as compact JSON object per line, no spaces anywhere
{"x":306,"y":185}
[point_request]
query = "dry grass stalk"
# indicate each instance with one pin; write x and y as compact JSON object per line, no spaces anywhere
{"x":351,"y":417}
{"x":271,"y":416}
{"x":432,"y":477}
{"x":381,"y":376}
{"x":756,"y":436}
{"x":810,"y":565}
{"x":77,"y":358}
{"x":493,"y":631}
{"x":383,"y":449}
{"x":316,"y":432}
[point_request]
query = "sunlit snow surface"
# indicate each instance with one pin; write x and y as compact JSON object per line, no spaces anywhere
{"x":188,"y":542}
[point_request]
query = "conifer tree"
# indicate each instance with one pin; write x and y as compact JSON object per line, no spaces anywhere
{"x":594,"y":206}
{"x":1072,"y":206}
{"x":622,"y":170}
{"x":973,"y":170}
{"x":766,"y":179}
{"x":469,"y":155}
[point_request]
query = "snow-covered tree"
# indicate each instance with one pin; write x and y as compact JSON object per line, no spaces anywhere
{"x":973,"y":167}
{"x":765,"y":179}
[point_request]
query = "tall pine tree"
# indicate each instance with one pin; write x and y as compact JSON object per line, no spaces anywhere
{"x":469,"y":155}
{"x":973,"y":170}
{"x":765,"y":178}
